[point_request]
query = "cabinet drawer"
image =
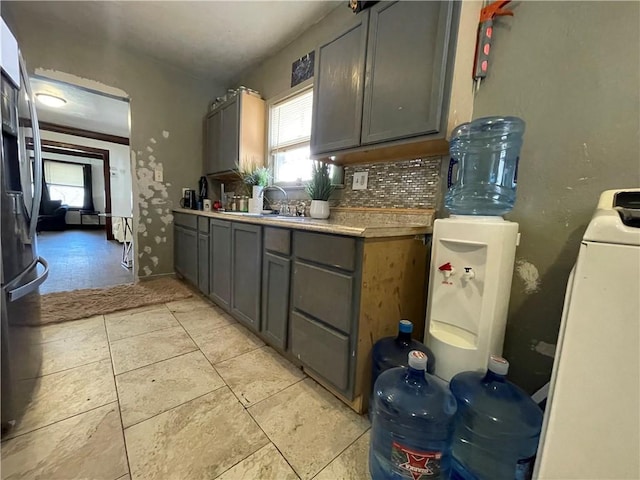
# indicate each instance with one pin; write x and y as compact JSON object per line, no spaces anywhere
{"x":323,"y":294}
{"x":203,"y":225}
{"x":322,"y":349}
{"x":277,"y":240}
{"x":185,"y":220}
{"x":339,"y":252}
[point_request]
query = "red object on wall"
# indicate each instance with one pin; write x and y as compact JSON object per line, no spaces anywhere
{"x":485,"y":32}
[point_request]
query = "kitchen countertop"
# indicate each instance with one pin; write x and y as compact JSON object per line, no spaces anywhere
{"x":354,"y":222}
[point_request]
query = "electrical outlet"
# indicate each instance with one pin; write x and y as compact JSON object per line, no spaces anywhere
{"x":157,"y":175}
{"x":360,"y":180}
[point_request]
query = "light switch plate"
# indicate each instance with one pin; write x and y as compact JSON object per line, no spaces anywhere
{"x":157,"y":175}
{"x":360,"y":180}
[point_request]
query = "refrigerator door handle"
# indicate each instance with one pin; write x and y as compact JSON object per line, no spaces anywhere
{"x":17,"y":293}
{"x":37,"y":151}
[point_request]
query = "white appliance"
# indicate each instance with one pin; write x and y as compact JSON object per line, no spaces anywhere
{"x":472,"y":261}
{"x":591,"y":427}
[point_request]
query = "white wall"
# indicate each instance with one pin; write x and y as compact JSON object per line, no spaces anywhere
{"x":120,"y":163}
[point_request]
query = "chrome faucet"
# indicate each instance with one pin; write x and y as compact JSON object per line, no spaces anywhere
{"x":275,"y":187}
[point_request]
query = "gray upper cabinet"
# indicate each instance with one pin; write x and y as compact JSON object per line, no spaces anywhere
{"x":246,"y":277}
{"x":384,"y":79}
{"x":213,"y":133}
{"x":406,"y":66}
{"x":338,"y":87}
{"x":220,"y":262}
{"x":235,"y":134}
{"x":230,"y":135}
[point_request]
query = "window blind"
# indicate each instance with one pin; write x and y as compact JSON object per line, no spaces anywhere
{"x":68,"y":174}
{"x":291,"y":122}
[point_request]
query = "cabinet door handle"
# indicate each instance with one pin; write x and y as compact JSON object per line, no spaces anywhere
{"x":17,"y":293}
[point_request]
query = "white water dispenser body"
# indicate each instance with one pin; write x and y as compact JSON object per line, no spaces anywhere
{"x":472,"y":262}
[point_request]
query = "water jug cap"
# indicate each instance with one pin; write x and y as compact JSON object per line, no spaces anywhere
{"x":498,"y":365}
{"x":418,"y":360}
{"x":406,"y":326}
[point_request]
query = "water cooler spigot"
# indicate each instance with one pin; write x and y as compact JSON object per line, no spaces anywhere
{"x":447,"y":270}
{"x":468,"y":273}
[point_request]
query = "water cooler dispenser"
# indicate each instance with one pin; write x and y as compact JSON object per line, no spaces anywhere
{"x":473,"y":251}
{"x":472,"y":262}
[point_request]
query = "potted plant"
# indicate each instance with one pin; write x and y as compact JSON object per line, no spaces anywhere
{"x":320,"y":189}
{"x":255,"y":179}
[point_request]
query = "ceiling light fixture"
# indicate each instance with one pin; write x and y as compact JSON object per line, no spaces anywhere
{"x":50,"y":100}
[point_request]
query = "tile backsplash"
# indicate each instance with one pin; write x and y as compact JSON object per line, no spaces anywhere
{"x":403,"y":184}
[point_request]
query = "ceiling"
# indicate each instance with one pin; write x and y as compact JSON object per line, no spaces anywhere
{"x":210,"y":39}
{"x":84,"y":109}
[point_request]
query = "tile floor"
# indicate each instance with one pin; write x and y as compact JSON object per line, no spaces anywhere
{"x":81,"y":259}
{"x":178,"y":391}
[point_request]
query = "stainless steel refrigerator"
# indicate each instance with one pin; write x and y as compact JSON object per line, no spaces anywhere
{"x":22,"y":270}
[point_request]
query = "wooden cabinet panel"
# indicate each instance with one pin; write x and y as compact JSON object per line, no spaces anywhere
{"x":246,"y":273}
{"x":409,"y":39}
{"x":276,"y":275}
{"x":338,"y":85}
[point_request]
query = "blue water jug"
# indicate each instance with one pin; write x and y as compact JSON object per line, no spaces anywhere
{"x":486,"y":152}
{"x":389,"y":352}
{"x":497,"y":426}
{"x":412,"y":423}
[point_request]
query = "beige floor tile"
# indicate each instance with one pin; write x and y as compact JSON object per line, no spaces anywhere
{"x":87,"y":446}
{"x":308,"y":425}
{"x":258,"y":374}
{"x":148,"y":348}
{"x":351,"y":464}
{"x":123,"y":326}
{"x":265,"y":464}
{"x":86,"y":328}
{"x":153,"y":389}
{"x":200,"y":439}
{"x":228,"y":342}
{"x":74,"y":351}
{"x":135,"y":311}
{"x":195,"y":303}
{"x":60,"y":395}
{"x":200,"y":322}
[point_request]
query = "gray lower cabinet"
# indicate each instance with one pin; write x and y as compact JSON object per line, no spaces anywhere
{"x":220,"y":262}
{"x":186,"y":253}
{"x":325,"y":305}
{"x":276,"y":277}
{"x":203,"y":262}
{"x":246,"y":277}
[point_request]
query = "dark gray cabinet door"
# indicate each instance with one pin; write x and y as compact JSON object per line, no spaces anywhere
{"x":189,"y":247}
{"x":338,"y":87}
{"x":276,"y":275}
{"x":246,"y":273}
{"x":405,"y":73}
{"x":178,"y":248}
{"x":220,"y":262}
{"x":203,"y":262}
{"x":213,"y":142}
{"x":230,"y":136}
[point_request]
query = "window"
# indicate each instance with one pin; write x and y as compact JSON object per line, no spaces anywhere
{"x":65,"y":182}
{"x":290,"y":135}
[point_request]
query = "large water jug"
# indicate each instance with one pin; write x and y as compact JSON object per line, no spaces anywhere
{"x":486,"y":151}
{"x":497,"y":426}
{"x":389,"y":352}
{"x":412,"y":423}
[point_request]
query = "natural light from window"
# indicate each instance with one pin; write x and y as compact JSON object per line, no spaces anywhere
{"x":290,"y":134}
{"x":65,"y":182}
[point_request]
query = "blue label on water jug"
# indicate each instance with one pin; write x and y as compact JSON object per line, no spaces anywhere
{"x":414,"y":464}
{"x":524,"y":470}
